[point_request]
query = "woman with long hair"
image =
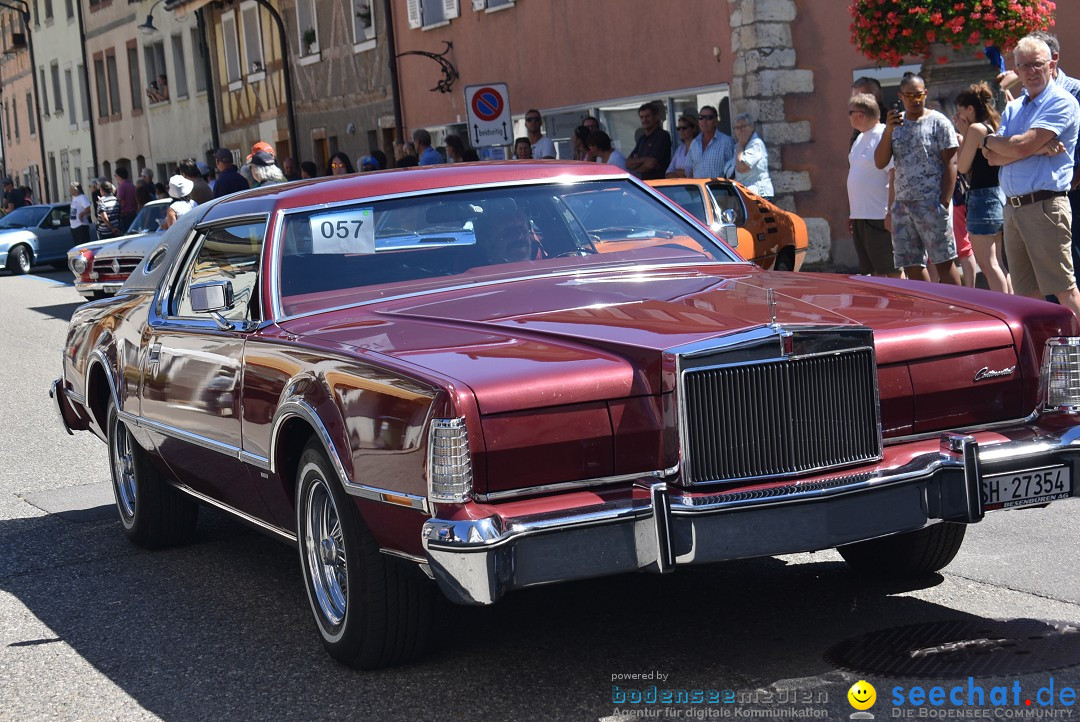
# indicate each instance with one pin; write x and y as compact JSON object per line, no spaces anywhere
{"x":976,"y":118}
{"x":340,"y":165}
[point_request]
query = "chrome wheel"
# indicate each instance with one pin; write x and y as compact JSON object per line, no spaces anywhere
{"x":324,"y":547}
{"x":122,"y":458}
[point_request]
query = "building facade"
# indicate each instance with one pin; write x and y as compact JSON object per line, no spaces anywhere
{"x":63,"y":82}
{"x":171,"y":75}
{"x":118,"y":108}
{"x":20,"y":129}
{"x":341,"y":77}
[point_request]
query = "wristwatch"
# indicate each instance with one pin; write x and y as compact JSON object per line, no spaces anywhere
{"x":985,"y":139}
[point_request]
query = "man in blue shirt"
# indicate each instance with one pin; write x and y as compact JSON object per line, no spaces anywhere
{"x":712,"y":151}
{"x":428,"y":155}
{"x":1035,"y":147}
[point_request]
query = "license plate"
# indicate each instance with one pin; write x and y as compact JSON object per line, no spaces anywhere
{"x":1023,"y":488}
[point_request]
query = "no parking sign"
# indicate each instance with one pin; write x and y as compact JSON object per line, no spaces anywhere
{"x":488,"y":108}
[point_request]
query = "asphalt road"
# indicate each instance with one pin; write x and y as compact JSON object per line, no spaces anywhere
{"x":92,"y":627}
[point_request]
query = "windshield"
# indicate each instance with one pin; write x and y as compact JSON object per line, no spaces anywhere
{"x":25,"y":217}
{"x":149,"y":218}
{"x":333,"y":257}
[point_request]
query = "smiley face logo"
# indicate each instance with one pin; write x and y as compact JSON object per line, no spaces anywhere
{"x":862,"y":695}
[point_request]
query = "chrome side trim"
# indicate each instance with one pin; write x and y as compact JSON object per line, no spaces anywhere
{"x":195,"y":439}
{"x":421,"y":561}
{"x":577,"y":485}
{"x":989,"y":426}
{"x":259,"y":462}
{"x":300,"y":408}
{"x":243,"y":516}
{"x":75,"y":396}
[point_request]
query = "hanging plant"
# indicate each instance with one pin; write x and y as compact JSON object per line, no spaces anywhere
{"x":887,"y":31}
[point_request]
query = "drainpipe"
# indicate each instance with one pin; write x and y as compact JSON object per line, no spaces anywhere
{"x":85,"y":100}
{"x":211,"y":99}
{"x":395,"y":89}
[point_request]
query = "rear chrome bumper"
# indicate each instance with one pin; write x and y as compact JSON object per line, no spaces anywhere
{"x":488,"y":550}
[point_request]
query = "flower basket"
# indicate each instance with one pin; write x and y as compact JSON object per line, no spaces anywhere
{"x":887,"y":31}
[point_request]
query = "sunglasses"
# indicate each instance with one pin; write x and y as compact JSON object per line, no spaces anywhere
{"x":706,"y":117}
{"x":682,"y":127}
{"x":337,"y":164}
{"x":533,"y":120}
{"x":914,"y":96}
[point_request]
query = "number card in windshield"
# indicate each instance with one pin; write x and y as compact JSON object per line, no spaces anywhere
{"x":347,"y":231}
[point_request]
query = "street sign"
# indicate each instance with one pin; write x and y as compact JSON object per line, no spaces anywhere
{"x":488,"y":107}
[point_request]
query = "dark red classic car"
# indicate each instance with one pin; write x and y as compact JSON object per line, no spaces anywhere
{"x":500,"y":375}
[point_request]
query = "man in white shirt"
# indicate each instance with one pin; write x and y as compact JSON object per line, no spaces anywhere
{"x":868,"y":190}
{"x":542,"y":147}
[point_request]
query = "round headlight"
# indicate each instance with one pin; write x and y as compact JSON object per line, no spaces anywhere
{"x":78,"y":265}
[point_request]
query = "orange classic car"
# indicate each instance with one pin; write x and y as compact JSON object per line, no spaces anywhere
{"x":769,"y":236}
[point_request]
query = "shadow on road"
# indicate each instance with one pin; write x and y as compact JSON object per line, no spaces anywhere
{"x":222,"y":628}
{"x":61,"y":311}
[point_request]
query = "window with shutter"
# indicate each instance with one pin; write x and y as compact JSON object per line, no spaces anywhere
{"x":178,"y":84}
{"x":451,"y":9}
{"x":231,"y":47}
{"x":416,"y":19}
{"x":252,"y":32}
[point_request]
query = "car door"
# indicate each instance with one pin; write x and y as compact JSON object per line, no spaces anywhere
{"x":192,"y":367}
{"x":54,"y":235}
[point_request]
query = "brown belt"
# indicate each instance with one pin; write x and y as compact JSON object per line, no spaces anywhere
{"x":1017,"y":201}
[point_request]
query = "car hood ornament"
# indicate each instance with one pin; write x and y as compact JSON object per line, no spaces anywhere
{"x":986,"y":373}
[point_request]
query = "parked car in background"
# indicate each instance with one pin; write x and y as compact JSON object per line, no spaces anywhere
{"x":465,"y":377}
{"x":35,"y":234}
{"x":101,"y":267}
{"x":768,"y":235}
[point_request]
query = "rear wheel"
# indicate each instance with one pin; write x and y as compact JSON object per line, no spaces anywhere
{"x":19,"y":260}
{"x":153,"y":513}
{"x":906,"y":555}
{"x":371,"y":610}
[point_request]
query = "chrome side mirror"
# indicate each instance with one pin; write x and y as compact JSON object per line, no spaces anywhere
{"x":211,"y":297}
{"x":728,"y":215}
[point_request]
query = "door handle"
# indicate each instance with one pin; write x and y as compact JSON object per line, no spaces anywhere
{"x":154,"y":358}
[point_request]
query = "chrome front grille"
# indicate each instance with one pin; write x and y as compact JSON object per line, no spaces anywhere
{"x":116,"y":265}
{"x":780,"y":417}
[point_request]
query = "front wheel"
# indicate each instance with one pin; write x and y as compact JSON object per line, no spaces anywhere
{"x":909,"y":554}
{"x":153,"y":513}
{"x":785,"y":259}
{"x":19,"y":260}
{"x":371,"y":610}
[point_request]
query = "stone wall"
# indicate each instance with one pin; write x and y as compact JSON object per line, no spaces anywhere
{"x":764,"y":72}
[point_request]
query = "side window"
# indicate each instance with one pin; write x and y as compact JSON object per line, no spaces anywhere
{"x":228,"y":254}
{"x":689,"y":197}
{"x":725,"y":196}
{"x":58,"y":215}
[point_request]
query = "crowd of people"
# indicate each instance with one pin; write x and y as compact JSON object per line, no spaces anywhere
{"x":930,"y":197}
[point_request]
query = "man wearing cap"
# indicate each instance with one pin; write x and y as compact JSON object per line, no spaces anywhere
{"x":229,"y":178}
{"x":1035,"y":146}
{"x":13,"y":197}
{"x":200,"y":191}
{"x":368,"y":163}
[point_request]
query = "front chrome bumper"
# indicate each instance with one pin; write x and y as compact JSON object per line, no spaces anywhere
{"x":488,"y":550}
{"x":89,"y":289}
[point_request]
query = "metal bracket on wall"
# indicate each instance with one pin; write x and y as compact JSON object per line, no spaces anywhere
{"x":450,"y":73}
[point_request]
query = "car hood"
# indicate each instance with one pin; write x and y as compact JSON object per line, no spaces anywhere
{"x":10,"y":237}
{"x":591,"y":336}
{"x":135,"y":244}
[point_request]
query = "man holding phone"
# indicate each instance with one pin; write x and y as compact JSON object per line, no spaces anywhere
{"x":922,"y":144}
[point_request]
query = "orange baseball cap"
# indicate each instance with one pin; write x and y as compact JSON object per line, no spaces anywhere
{"x":263,"y":146}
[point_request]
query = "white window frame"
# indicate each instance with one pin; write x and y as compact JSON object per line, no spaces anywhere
{"x":69,"y":83}
{"x":229,"y":32}
{"x":485,"y":6}
{"x":178,"y":80}
{"x":450,"y":9}
{"x":314,"y":53}
{"x":368,"y":41}
{"x":252,"y":76}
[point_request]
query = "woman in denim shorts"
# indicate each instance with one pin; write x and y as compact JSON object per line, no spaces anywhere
{"x":975,"y":119}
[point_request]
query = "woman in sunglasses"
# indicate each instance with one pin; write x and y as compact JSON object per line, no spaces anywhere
{"x":687,"y":128}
